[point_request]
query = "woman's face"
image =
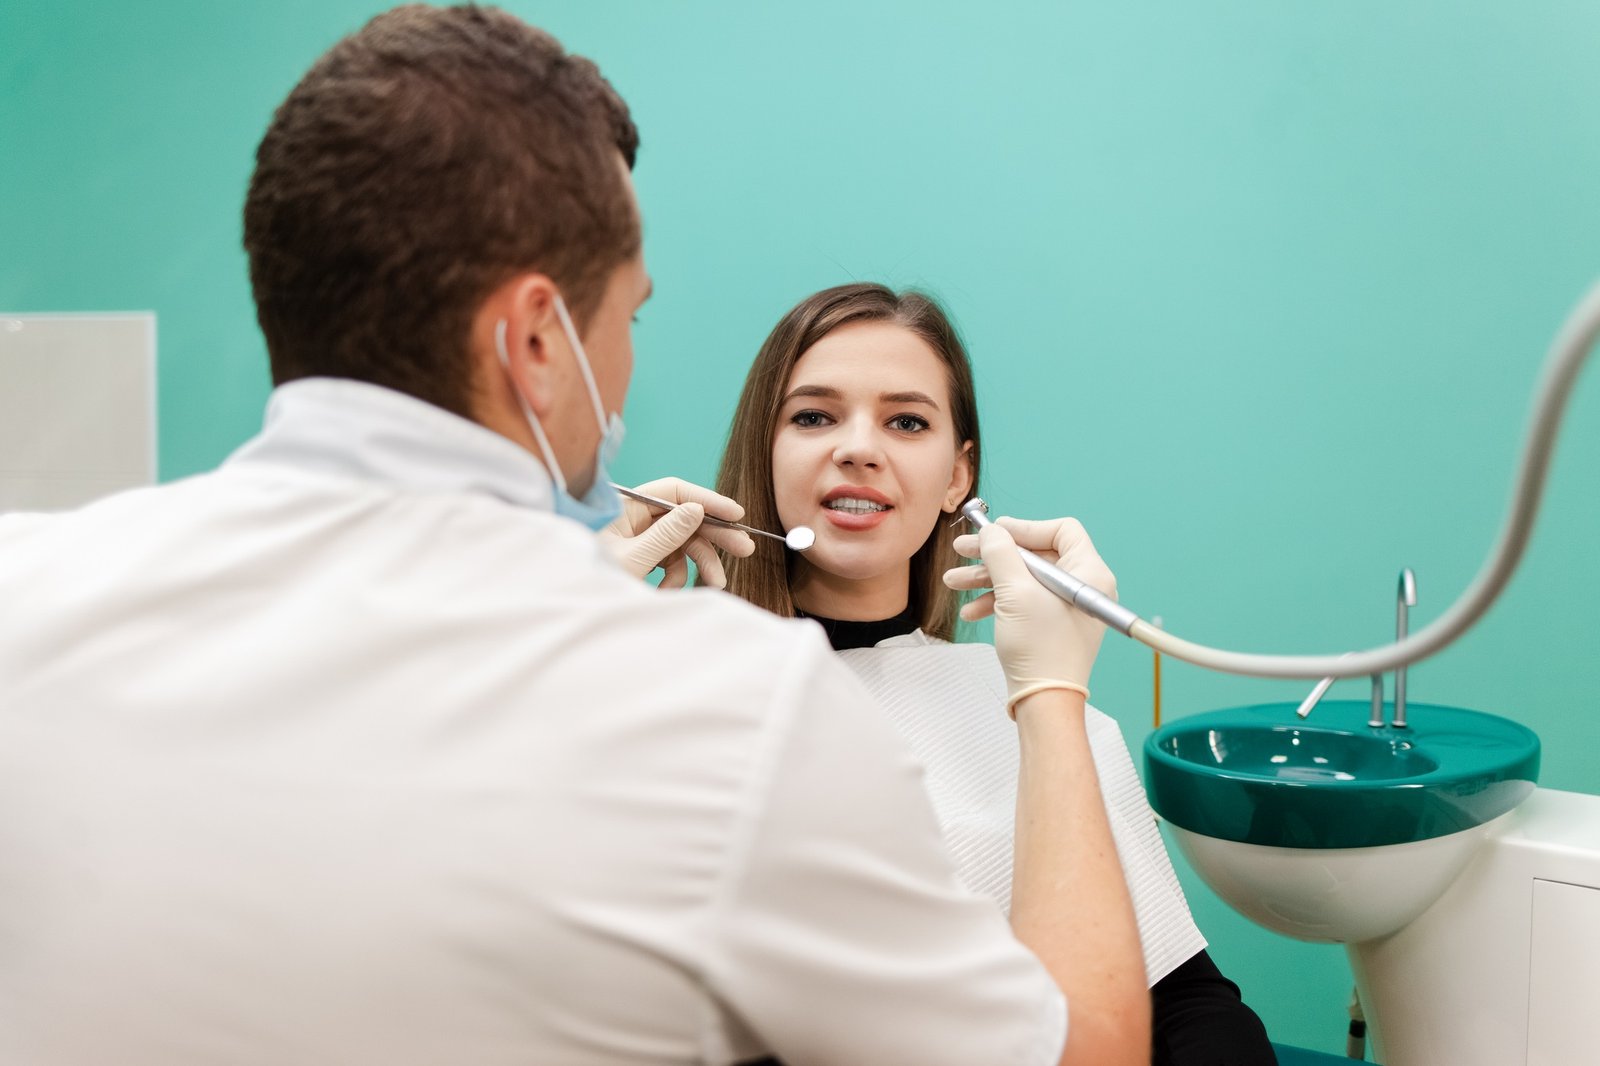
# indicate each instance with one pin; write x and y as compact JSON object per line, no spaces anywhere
{"x":865,"y":453}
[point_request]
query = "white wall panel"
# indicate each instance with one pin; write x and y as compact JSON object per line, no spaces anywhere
{"x":77,"y":407}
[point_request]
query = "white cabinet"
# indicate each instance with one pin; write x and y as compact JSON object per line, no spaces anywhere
{"x":1564,"y":974}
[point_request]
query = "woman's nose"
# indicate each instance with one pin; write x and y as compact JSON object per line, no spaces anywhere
{"x":858,"y":445}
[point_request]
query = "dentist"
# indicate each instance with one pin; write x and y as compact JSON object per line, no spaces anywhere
{"x":364,"y":747}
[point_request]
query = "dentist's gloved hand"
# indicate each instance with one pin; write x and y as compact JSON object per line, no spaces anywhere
{"x":643,"y":538}
{"x":1042,"y":642}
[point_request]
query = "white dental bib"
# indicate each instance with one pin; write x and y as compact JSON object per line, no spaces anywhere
{"x":949,"y":702}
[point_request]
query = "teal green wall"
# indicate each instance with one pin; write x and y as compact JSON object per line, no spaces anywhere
{"x":1256,"y":289}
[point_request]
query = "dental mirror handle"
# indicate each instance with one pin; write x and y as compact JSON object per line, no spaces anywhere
{"x":1083,"y":596}
{"x":798,"y":539}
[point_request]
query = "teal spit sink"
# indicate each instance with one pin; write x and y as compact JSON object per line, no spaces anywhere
{"x":1260,"y":775}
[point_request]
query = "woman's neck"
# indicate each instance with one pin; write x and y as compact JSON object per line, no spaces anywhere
{"x":845,"y":636}
{"x":871,"y":599}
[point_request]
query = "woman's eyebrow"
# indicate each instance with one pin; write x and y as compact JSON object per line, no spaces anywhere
{"x":821,"y":391}
{"x":908,"y":397}
{"x":826,"y":392}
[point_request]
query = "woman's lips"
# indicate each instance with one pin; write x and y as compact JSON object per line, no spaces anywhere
{"x":854,"y":521}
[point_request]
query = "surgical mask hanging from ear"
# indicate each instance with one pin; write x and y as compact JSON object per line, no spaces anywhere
{"x":601,"y":505}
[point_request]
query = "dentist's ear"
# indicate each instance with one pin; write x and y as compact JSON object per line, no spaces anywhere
{"x":512,"y":337}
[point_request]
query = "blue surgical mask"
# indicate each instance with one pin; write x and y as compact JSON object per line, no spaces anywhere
{"x":600,"y":506}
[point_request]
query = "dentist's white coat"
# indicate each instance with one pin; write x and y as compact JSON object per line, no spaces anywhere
{"x":352,"y":752}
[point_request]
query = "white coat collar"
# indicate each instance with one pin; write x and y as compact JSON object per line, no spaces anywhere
{"x":370,"y":433}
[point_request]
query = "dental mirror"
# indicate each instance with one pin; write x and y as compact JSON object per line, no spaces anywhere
{"x":799,"y":539}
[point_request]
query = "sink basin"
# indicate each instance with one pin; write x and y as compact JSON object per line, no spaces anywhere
{"x":1327,"y":829}
{"x":1293,"y":753}
{"x":1259,"y":775}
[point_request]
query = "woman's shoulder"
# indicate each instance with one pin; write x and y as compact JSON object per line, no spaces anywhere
{"x":918,"y":667}
{"x":918,"y":647}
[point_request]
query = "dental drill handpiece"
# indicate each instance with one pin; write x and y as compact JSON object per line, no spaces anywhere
{"x":1083,"y":596}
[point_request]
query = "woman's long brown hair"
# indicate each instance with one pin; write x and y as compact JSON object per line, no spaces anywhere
{"x":746,"y":472}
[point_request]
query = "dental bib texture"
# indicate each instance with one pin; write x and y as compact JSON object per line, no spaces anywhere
{"x":949,"y":701}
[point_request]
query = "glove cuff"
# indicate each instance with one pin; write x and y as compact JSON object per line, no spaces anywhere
{"x":1041,"y":686}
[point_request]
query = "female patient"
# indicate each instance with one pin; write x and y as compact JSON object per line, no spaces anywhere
{"x":859,"y":420}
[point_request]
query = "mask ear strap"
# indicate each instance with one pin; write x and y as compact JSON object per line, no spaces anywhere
{"x":533,"y":419}
{"x":583,"y":362}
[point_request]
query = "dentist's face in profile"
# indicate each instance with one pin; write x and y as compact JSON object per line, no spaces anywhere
{"x":865,"y":452}
{"x":607,"y":340}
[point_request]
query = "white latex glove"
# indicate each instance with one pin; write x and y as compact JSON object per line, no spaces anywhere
{"x":644,"y":538}
{"x":1042,"y":642}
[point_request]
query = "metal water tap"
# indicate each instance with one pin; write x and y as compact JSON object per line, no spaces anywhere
{"x":1405,"y":599}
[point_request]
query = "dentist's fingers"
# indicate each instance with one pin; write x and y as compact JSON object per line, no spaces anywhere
{"x":1042,"y":535}
{"x":707,"y":563}
{"x":641,"y":549}
{"x":1062,"y":541}
{"x":979,"y":609}
{"x":1051,"y":539}
{"x":967,"y":578}
{"x":1074,"y":551}
{"x":674,"y":571}
{"x":1006,"y":567}
{"x":966,"y":545}
{"x":677,"y":490}
{"x":733,"y":541}
{"x":964,"y":578}
{"x":715,"y":505}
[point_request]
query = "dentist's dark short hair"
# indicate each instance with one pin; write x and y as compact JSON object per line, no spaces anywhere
{"x":420,"y":163}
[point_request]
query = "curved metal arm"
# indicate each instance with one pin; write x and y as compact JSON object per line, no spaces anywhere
{"x":1568,"y":353}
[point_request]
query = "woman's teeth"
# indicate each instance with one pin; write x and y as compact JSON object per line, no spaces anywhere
{"x":845,"y":503}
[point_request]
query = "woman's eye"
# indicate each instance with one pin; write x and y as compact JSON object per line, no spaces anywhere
{"x":908,"y":423}
{"x":808,"y":419}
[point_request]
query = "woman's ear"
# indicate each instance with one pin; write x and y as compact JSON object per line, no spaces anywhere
{"x":960,"y":480}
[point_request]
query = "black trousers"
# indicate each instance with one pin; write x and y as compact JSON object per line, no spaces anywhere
{"x":1199,"y":1019}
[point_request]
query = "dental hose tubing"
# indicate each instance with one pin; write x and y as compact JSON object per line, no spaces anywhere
{"x":1568,"y":353}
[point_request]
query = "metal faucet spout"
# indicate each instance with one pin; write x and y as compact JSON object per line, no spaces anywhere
{"x":1405,"y":599}
{"x":1316,"y":697}
{"x":1316,"y":694}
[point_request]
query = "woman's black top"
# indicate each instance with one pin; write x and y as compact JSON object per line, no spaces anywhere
{"x":847,"y":635}
{"x":1197,"y":1015}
